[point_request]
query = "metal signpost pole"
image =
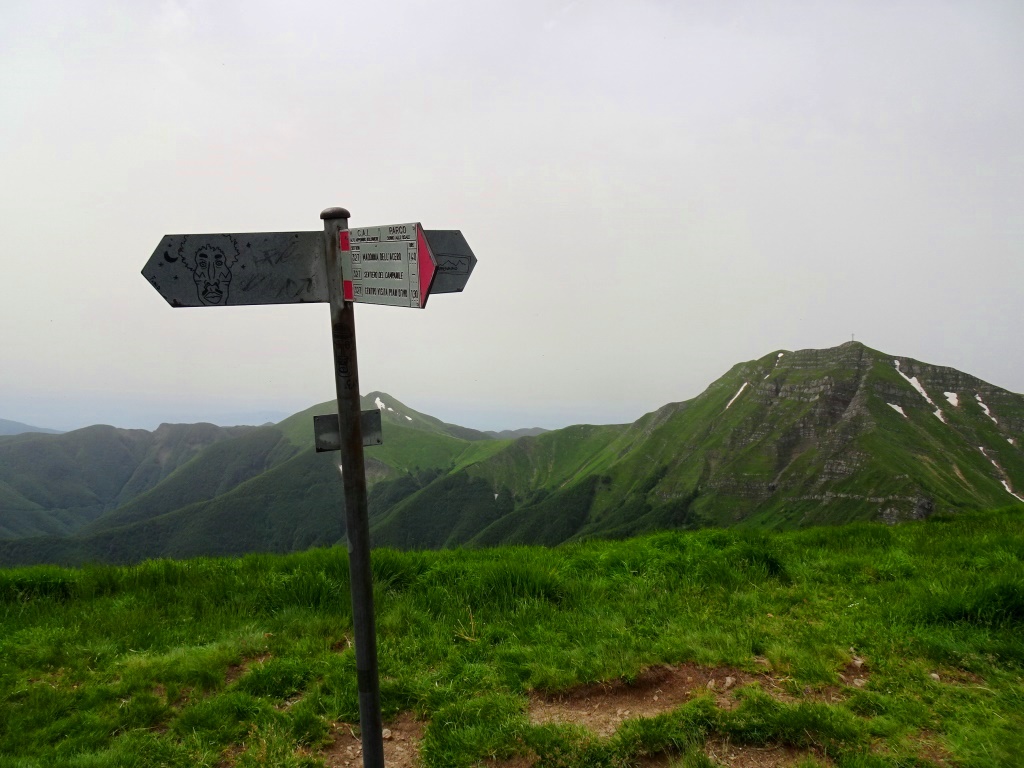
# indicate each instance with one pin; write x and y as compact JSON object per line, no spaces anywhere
{"x":346,"y":375}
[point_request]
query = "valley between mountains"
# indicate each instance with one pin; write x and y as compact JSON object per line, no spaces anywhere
{"x":790,"y":440}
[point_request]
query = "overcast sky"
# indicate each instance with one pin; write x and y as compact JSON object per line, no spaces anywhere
{"x":654,"y":190}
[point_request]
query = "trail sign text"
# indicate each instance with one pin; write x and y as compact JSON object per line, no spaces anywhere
{"x":390,"y":265}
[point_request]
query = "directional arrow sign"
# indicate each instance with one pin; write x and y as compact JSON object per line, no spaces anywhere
{"x":455,"y":259}
{"x":392,"y":265}
{"x":235,"y":269}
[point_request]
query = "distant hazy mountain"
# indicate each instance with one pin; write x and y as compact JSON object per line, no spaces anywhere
{"x":17,"y":428}
{"x":791,"y":439}
{"x":239,"y":489}
{"x":512,"y":434}
{"x":56,"y":483}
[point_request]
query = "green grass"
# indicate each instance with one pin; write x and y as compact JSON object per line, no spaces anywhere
{"x":247,"y":661}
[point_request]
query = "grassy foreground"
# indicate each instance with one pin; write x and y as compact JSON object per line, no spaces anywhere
{"x":247,"y":662}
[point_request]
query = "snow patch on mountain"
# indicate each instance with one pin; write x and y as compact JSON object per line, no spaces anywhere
{"x":897,"y":408}
{"x":912,"y":380}
{"x":736,"y":395}
{"x":984,"y":407}
{"x":1009,"y":490}
{"x":953,"y":398}
{"x":1004,"y":481}
{"x":777,"y":361}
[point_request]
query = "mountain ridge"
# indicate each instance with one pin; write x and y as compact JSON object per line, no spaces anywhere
{"x":10,"y":428}
{"x":787,"y":440}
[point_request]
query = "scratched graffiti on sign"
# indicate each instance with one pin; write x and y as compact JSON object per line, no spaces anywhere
{"x":210,"y":264}
{"x":220,"y":270}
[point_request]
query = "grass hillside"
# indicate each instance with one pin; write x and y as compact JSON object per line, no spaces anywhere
{"x":789,"y":440}
{"x":395,"y":412}
{"x":214,"y":472}
{"x":55,"y":484}
{"x":792,"y":439}
{"x":298,"y":428}
{"x":866,"y":646}
{"x":261,"y":489}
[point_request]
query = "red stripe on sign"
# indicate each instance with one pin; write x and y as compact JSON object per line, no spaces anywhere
{"x":427,"y":265}
{"x":347,"y":286}
{"x":343,"y":242}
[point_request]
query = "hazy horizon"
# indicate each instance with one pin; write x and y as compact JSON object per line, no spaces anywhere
{"x":551,"y":415}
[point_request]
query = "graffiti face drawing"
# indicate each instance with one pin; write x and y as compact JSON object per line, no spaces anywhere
{"x":212,"y":275}
{"x":210,"y":264}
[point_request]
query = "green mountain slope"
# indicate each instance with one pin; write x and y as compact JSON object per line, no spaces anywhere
{"x":395,"y":412}
{"x":264,"y":489}
{"x":788,"y":440}
{"x":792,"y":439}
{"x":212,"y":473}
{"x":55,"y":484}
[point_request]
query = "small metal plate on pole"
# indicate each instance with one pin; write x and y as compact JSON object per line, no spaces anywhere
{"x":327,"y":433}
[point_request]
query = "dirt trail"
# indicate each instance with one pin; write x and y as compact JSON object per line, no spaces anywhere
{"x":725,"y":753}
{"x":401,"y":744}
{"x":603,"y":707}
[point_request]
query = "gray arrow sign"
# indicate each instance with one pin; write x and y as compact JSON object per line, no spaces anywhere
{"x":455,"y":260}
{"x":221,"y":270}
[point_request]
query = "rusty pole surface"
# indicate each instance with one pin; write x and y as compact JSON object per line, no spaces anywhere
{"x":346,"y":376}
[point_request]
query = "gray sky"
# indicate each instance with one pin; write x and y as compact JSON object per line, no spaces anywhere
{"x":654,"y":191}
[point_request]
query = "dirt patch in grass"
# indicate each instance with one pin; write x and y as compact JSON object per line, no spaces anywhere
{"x":928,"y":746}
{"x":855,"y":673}
{"x":725,"y":753}
{"x":721,"y":751}
{"x":230,"y":755}
{"x":953,"y":676}
{"x":657,"y":761}
{"x":604,"y":706}
{"x":235,"y":671}
{"x":401,"y":744}
{"x":515,"y":762}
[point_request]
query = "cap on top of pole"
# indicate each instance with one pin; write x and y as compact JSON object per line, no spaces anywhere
{"x":334,"y":213}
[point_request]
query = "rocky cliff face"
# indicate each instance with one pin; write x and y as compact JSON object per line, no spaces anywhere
{"x":864,"y":434}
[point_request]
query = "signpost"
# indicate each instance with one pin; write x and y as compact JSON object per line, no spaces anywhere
{"x":397,"y":265}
